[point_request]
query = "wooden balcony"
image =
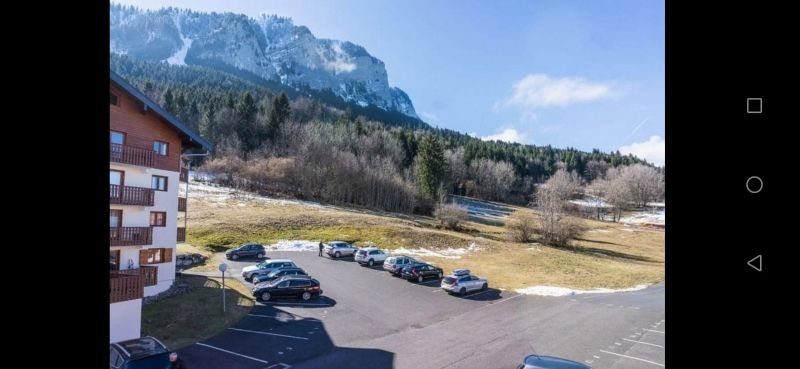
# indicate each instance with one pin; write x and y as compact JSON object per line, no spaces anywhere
{"x":131,"y":236}
{"x":132,"y":155}
{"x":181,"y":234}
{"x":184,"y":175}
{"x":181,"y":204}
{"x":129,"y":284}
{"x":126,"y":195}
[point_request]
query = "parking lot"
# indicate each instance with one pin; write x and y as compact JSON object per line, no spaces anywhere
{"x":367,"y":318}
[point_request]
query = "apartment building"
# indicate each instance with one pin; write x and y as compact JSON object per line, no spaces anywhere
{"x":146,"y":170}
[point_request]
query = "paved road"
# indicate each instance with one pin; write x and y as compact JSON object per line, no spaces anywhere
{"x":370,"y":319}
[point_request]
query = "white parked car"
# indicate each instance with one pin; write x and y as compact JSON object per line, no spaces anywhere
{"x":265,"y":267}
{"x":370,"y":256}
{"x":338,"y":249}
{"x":461,"y":282}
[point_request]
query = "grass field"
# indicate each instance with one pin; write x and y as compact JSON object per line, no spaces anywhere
{"x":607,"y":255}
{"x":184,"y":319}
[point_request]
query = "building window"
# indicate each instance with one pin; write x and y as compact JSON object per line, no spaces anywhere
{"x":160,"y":147}
{"x":114,"y":260}
{"x":158,"y":219}
{"x":117,"y":138}
{"x":114,"y":98}
{"x":159,"y":183}
{"x":115,"y":217}
{"x":155,"y":256}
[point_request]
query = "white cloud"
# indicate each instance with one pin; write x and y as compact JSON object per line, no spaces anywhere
{"x":652,"y":150}
{"x":540,"y":90}
{"x":508,"y":135}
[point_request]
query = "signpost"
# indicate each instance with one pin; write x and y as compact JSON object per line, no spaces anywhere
{"x":222,"y":268}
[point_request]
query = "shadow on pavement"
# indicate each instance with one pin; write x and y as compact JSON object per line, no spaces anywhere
{"x":288,"y":341}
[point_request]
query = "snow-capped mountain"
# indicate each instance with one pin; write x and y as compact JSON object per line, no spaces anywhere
{"x":270,"y":47}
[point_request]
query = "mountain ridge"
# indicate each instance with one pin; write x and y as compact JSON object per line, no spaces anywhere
{"x":270,"y":47}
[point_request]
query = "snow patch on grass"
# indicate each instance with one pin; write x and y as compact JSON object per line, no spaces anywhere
{"x":448,"y":253}
{"x":561,"y":291}
{"x":293,"y":245}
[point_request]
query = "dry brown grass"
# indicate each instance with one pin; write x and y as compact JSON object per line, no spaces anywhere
{"x":607,"y":255}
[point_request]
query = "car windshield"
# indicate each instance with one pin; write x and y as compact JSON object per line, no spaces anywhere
{"x":143,"y":347}
{"x":448,"y":280}
{"x":261,"y":264}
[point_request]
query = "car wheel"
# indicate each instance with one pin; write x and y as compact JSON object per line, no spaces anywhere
{"x":260,"y":255}
{"x":371,"y":262}
{"x":420,"y":279}
{"x":306,"y":296}
{"x":234,"y":256}
{"x":265,"y":296}
{"x":484,"y":287}
{"x":462,"y":291}
{"x":440,"y":275}
{"x":337,"y":254}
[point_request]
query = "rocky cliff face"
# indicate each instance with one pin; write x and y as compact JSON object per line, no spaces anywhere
{"x":270,"y":47}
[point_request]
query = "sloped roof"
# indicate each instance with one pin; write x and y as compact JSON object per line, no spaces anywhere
{"x":190,"y":137}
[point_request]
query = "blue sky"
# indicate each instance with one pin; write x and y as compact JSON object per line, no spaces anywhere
{"x":582,"y":74}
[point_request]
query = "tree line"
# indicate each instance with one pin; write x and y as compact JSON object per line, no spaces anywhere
{"x":272,"y":139}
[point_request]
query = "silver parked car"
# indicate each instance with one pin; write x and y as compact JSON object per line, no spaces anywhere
{"x":370,"y":256}
{"x":395,"y":264}
{"x":265,"y":267}
{"x":461,"y":282}
{"x":338,"y":249}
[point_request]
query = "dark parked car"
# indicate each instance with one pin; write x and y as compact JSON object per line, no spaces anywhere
{"x":549,"y":362}
{"x":295,"y":286}
{"x":248,"y":249}
{"x":419,"y":271}
{"x":143,"y":353}
{"x":277,"y":273}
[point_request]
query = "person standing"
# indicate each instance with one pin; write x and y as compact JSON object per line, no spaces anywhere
{"x":320,"y":248}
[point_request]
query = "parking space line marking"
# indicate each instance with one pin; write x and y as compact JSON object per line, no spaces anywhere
{"x":232,"y":353}
{"x":271,"y":334}
{"x":634,"y":358}
{"x":502,"y":300}
{"x":644,"y":343}
{"x":294,"y":303}
{"x":650,"y":330}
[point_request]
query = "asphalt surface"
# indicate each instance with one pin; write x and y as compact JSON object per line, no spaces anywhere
{"x":367,"y":318}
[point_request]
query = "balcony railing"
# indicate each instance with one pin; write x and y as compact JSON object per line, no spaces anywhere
{"x":184,"y":175}
{"x":125,"y":286}
{"x":181,"y":234}
{"x":131,"y":236}
{"x":126,"y":195}
{"x":129,"y":284}
{"x":181,"y":204}
{"x":131,"y":155}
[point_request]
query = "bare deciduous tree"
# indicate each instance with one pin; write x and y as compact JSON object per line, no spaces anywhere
{"x":450,"y":215}
{"x":555,"y":226}
{"x":521,"y":225}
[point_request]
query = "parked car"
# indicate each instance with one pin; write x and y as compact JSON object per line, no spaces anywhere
{"x":248,"y":249}
{"x":277,"y":273}
{"x":143,"y":353}
{"x":370,"y":256}
{"x":419,"y":271}
{"x":294,"y":286}
{"x":549,"y":362}
{"x":461,"y":282}
{"x":395,"y":264}
{"x":338,"y":249}
{"x":265,"y":267}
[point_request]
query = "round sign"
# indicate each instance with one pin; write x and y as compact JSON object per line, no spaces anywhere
{"x":223,"y":267}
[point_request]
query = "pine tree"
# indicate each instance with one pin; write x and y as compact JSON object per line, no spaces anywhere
{"x":278,"y":113}
{"x":168,"y":101}
{"x":432,"y":164}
